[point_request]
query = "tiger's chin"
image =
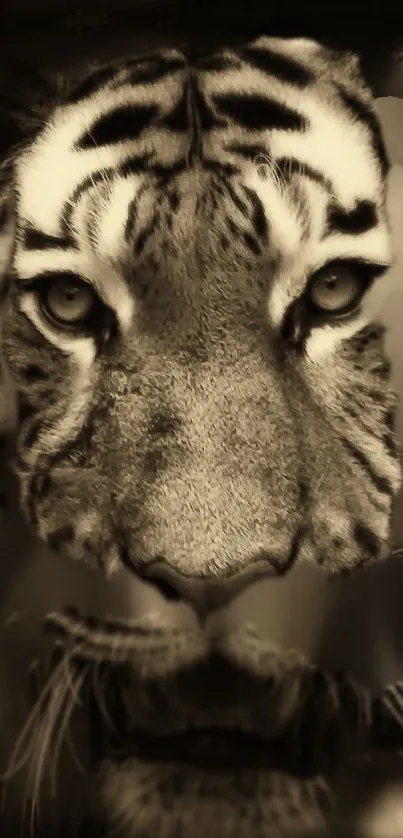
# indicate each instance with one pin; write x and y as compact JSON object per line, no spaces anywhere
{"x":202,"y":737}
{"x":168,"y":799}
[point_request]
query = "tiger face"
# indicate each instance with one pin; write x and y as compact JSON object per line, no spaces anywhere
{"x":198,"y":253}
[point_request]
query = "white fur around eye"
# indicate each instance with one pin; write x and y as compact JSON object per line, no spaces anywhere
{"x":325,"y":340}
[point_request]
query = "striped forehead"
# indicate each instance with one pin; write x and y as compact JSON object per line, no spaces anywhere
{"x":269,"y":97}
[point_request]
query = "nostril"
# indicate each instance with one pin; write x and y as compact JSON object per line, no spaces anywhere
{"x":203,"y":594}
{"x":159,"y":580}
{"x":165,"y":579}
{"x":166,"y":589}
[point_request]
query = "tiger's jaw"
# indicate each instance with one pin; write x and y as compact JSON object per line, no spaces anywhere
{"x":194,"y":737}
{"x":141,"y":799}
{"x":205,"y":782}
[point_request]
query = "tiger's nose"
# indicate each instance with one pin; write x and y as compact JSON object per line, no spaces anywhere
{"x":205,"y":595}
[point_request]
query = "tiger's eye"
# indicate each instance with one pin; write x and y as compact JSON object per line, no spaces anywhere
{"x":334,"y":288}
{"x":69,"y":300}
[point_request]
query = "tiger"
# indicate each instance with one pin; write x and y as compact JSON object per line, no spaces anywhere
{"x":193,"y":362}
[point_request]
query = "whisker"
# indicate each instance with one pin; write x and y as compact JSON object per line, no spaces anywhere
{"x":19,"y":756}
{"x":50,"y":714}
{"x":67,"y":674}
{"x":70,"y":705}
{"x":266,"y":167}
{"x":44,"y":736}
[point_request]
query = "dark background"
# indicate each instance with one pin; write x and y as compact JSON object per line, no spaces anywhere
{"x":60,"y":33}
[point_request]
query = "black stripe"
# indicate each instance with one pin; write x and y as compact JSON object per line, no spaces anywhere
{"x":135,"y":164}
{"x":284,"y":68}
{"x":218,"y":62}
{"x":37,"y":240}
{"x":92,"y":83}
{"x":132,"y":212}
{"x":143,"y":237}
{"x":248,"y":150}
{"x":217,"y":166}
{"x":258,"y":219}
{"x":241,"y":205}
{"x":36,"y":282}
{"x":235,"y":229}
{"x":124,"y":123}
{"x":359,"y":109}
{"x":382,"y":484}
{"x":387,"y":438}
{"x":146,"y":72}
{"x":32,"y":435}
{"x":390,"y":443}
{"x":258,"y":112}
{"x":178,"y":119}
{"x":288,"y":166}
{"x":25,"y":408}
{"x":353,"y":222}
{"x":390,"y":419}
{"x":252,"y":243}
{"x":296,"y":327}
{"x":72,"y":200}
{"x":167,"y":173}
{"x":173,"y":200}
{"x":131,"y":166}
{"x":366,"y":335}
{"x":367,"y":540}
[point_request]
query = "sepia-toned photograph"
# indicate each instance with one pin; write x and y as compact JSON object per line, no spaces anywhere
{"x":201,"y":419}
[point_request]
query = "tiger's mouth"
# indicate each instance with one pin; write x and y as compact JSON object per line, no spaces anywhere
{"x":230,"y":703}
{"x":224,"y":750}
